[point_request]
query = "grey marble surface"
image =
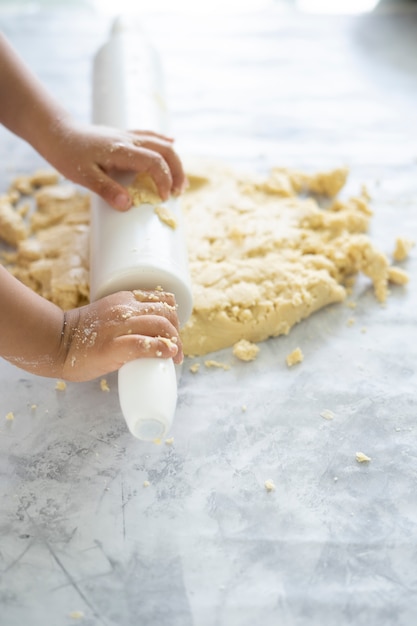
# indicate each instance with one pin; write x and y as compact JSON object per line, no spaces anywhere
{"x":205,"y":544}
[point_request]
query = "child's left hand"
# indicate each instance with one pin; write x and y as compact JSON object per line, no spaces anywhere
{"x":88,"y":155}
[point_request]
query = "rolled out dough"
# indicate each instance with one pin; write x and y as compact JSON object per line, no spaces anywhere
{"x":263,"y":253}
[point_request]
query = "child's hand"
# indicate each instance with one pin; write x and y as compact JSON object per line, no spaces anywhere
{"x":89,"y":155}
{"x":100,"y":337}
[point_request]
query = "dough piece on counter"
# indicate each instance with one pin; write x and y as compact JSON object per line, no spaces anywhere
{"x":327,"y":414}
{"x":218,"y":364}
{"x":60,"y":385}
{"x":26,"y":184}
{"x":54,"y":262}
{"x":103,"y":385}
{"x":262,"y":258}
{"x":76,"y":615}
{"x":269,"y":485}
{"x":362,"y":458}
{"x":403,"y":246}
{"x":245,"y":350}
{"x":295,"y":357}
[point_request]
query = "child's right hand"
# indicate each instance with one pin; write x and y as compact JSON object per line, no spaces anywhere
{"x":100,"y":337}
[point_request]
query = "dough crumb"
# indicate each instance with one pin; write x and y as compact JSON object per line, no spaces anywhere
{"x":146,"y":483}
{"x":327,"y":414}
{"x":245,"y":350}
{"x":244,"y":408}
{"x":76,"y":615}
{"x":168,"y":342}
{"x":295,"y":357}
{"x":351,"y":321}
{"x":194,"y":368}
{"x":169,"y":441}
{"x":403,"y":245}
{"x":362,"y":458}
{"x":269,"y":485}
{"x":10,"y":416}
{"x":60,"y":385}
{"x":103,"y":385}
{"x":157,"y":441}
{"x":212,"y":363}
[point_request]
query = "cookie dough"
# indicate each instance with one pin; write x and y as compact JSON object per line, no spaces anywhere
{"x":402,"y":249}
{"x":262,"y":257}
{"x":295,"y":357}
{"x":265,"y":251}
{"x":245,"y":350}
{"x":362,"y":458}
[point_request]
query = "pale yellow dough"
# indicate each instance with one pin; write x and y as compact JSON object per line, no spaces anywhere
{"x":362,"y":458}
{"x":245,"y":350}
{"x":295,"y":357}
{"x":262,"y":257}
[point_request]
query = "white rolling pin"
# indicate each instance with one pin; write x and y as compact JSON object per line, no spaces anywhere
{"x":135,"y":249}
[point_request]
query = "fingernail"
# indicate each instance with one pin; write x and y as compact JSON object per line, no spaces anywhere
{"x":122,"y":202}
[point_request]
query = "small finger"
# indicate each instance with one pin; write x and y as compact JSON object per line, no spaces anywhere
{"x":130,"y":347}
{"x":144,"y":133}
{"x":144,"y":159}
{"x":162,"y":321}
{"x":112,"y":192}
{"x":179,"y":181}
{"x":156,"y":295}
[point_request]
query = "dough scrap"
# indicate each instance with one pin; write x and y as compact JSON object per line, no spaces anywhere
{"x":217,"y":364}
{"x":104,"y":385}
{"x":362,"y":458}
{"x":402,"y":249}
{"x":295,"y":357}
{"x":327,"y":414}
{"x":245,"y":350}
{"x":269,"y":485}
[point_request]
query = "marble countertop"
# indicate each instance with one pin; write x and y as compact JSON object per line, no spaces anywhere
{"x":205,"y":544}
